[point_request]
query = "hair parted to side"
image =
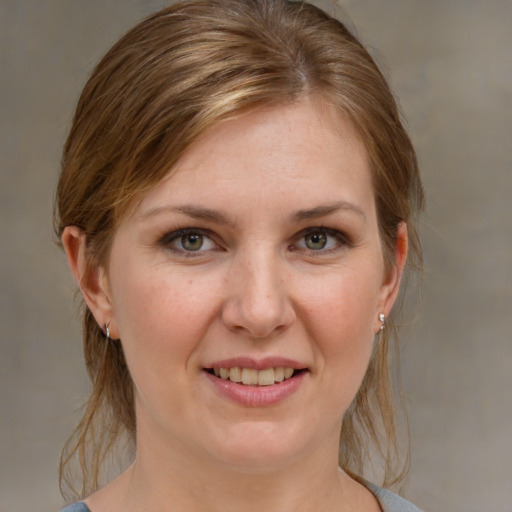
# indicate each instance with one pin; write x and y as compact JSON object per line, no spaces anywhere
{"x":167,"y":82}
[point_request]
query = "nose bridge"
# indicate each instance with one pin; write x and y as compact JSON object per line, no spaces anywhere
{"x":258,"y":301}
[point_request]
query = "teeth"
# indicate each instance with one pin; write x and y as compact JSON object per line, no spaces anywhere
{"x":235,"y":374}
{"x":266,"y":377}
{"x":253,"y":377}
{"x":249,"y":376}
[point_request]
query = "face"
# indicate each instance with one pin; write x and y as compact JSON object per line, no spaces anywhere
{"x":246,"y":289}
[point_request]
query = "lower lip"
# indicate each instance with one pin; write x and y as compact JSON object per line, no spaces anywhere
{"x":257,"y":396}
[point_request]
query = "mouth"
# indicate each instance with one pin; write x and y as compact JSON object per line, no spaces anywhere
{"x":254,"y":377}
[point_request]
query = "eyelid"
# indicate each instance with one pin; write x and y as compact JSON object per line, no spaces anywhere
{"x":175,"y":234}
{"x":343,"y":240}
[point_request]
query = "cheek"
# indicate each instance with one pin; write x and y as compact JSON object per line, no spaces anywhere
{"x":162,"y":319}
{"x":340,"y":317}
{"x":343,"y":303}
{"x":162,"y":316}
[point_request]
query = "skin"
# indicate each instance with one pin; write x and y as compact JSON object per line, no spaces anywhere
{"x":257,"y":287}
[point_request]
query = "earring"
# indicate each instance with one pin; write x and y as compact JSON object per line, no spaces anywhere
{"x":382,"y":318}
{"x":107,"y":330}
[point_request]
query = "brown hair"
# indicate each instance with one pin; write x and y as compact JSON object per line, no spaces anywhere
{"x":168,"y":81}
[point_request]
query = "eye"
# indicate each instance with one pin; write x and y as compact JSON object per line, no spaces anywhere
{"x":192,"y":241}
{"x":188,"y":241}
{"x":321,"y":239}
{"x":315,"y":241}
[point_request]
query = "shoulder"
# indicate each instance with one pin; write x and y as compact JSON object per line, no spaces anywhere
{"x":77,"y":507}
{"x":389,"y":501}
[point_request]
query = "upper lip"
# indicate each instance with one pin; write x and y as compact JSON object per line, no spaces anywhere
{"x":257,"y":364}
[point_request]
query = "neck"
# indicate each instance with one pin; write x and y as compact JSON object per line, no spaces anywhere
{"x":186,"y":485}
{"x":170,"y":476}
{"x":180,"y":482}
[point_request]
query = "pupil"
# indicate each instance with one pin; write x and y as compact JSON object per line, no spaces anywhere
{"x":316,"y":241}
{"x":192,"y":242}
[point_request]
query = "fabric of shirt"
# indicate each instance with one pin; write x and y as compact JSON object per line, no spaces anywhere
{"x":388,"y":501}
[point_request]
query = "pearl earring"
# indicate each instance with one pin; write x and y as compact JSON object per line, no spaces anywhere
{"x":382,"y":318}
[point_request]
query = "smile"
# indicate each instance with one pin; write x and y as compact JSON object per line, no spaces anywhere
{"x":254,"y":377}
{"x":253,"y":387}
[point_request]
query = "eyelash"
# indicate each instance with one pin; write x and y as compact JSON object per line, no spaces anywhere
{"x":179,"y":234}
{"x":341,"y":240}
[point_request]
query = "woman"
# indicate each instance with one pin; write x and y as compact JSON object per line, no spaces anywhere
{"x":236,"y":204}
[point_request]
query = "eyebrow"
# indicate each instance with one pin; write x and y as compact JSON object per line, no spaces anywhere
{"x":208,"y":214}
{"x":193,"y":211}
{"x":323,"y":210}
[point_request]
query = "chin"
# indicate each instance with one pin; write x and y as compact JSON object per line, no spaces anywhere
{"x":259,"y":448}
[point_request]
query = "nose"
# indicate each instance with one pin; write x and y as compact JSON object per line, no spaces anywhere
{"x":258,"y":303}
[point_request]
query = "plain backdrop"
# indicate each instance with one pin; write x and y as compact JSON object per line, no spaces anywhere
{"x":449,"y":62}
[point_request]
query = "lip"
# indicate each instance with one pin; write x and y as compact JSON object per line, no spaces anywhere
{"x":256,"y":396}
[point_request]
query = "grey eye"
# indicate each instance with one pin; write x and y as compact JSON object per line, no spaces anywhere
{"x":192,"y":241}
{"x":316,"y":241}
{"x":188,"y":241}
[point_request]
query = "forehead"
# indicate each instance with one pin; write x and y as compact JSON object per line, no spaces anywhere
{"x":302,"y":151}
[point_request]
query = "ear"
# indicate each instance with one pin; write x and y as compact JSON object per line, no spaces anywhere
{"x":92,"y":281}
{"x":391,"y":285}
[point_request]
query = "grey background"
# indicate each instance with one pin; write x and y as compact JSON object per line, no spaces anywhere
{"x":450,"y":64}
